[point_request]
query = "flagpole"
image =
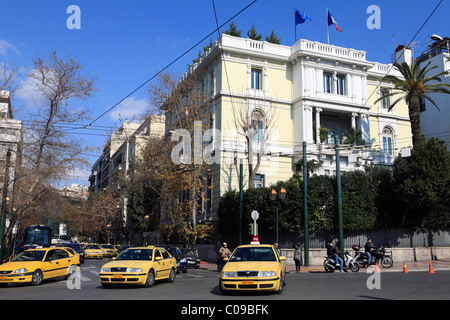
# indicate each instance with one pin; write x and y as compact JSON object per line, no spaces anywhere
{"x":295,"y":25}
{"x":328,"y":29}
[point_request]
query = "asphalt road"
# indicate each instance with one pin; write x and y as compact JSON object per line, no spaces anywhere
{"x":202,"y":285}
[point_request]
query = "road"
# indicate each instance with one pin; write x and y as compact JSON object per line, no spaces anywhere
{"x":202,"y":285}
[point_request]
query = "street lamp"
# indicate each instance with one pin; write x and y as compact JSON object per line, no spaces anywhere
{"x":273,"y":197}
{"x":146,"y":219}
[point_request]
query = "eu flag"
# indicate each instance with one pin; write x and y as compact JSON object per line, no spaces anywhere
{"x":301,"y":17}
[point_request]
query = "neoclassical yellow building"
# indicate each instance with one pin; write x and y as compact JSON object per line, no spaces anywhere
{"x":268,"y":99}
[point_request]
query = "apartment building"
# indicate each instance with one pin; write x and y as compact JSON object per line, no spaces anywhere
{"x":311,"y":92}
{"x":11,"y":137}
{"x":434,"y":122}
{"x":124,"y":144}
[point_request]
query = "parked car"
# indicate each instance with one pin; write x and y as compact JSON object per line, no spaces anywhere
{"x":192,"y":260}
{"x":181,"y":260}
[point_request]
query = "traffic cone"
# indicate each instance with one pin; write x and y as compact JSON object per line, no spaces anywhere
{"x":404,"y":268}
{"x":377,"y":269}
{"x":430,"y":269}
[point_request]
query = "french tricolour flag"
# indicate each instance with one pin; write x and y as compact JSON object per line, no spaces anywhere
{"x":332,"y":21}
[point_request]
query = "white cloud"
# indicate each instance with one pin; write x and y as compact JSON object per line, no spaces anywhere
{"x":29,"y":93}
{"x":130,"y":108}
{"x":5,"y":46}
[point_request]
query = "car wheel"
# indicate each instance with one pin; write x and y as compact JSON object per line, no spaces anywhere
{"x":150,"y":281}
{"x":280,"y":286}
{"x":171,"y":275}
{"x":37,"y":278}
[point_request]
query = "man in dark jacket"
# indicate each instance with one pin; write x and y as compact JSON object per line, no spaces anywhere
{"x":368,"y":248}
{"x":331,"y":253}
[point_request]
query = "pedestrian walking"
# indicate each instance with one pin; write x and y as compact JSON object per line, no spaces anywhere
{"x":297,"y":257}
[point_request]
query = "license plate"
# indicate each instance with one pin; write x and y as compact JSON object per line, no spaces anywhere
{"x":248,"y":282}
{"x":117,"y":276}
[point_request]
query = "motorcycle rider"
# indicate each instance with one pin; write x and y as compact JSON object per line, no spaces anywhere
{"x":368,"y":248}
{"x":331,"y":253}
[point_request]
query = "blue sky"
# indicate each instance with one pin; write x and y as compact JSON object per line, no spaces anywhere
{"x":124,"y":43}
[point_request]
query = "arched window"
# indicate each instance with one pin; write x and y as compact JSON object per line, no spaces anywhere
{"x":258,"y":125}
{"x":387,"y":137}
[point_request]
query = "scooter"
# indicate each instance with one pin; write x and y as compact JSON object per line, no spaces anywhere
{"x":350,"y":263}
{"x":379,"y":256}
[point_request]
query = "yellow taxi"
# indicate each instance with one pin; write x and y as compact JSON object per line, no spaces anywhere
{"x":139,"y":266}
{"x":93,"y":250}
{"x":108,"y":250}
{"x":253,"y":267}
{"x":36,"y":265}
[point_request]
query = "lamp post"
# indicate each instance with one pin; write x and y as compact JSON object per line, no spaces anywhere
{"x":146,"y":219}
{"x":273,"y":197}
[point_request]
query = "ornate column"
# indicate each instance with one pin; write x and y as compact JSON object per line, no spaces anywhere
{"x":318,"y":111}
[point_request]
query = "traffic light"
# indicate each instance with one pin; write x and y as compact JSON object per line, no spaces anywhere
{"x":251,"y":229}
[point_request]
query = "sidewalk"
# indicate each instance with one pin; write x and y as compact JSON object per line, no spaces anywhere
{"x":411,"y":266}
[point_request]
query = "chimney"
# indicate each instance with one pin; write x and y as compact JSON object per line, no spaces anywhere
{"x":403,"y":54}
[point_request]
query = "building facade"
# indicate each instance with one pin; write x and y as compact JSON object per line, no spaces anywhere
{"x":121,"y":147}
{"x":11,"y":138}
{"x":311,"y":92}
{"x":434,"y":122}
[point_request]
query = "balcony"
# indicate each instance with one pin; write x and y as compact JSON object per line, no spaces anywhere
{"x":306,"y":47}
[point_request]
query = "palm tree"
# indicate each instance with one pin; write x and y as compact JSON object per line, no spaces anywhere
{"x":414,"y":89}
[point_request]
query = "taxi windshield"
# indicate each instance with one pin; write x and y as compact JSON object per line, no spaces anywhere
{"x":174,"y":250}
{"x":35,"y":255}
{"x":136,"y":254}
{"x":107,"y":246}
{"x":93,"y":246}
{"x":253,"y":254}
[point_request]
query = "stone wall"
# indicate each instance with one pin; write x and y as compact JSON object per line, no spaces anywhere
{"x":400,"y":255}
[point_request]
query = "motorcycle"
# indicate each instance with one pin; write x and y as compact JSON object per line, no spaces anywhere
{"x":350,"y":263}
{"x":379,"y":256}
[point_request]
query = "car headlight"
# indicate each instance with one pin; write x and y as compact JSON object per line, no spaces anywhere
{"x":134,"y":270}
{"x":229,"y":274}
{"x":183,"y":260}
{"x":267,"y":274}
{"x":105,"y":270}
{"x":21,"y":270}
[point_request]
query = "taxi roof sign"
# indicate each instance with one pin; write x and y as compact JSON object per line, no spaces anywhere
{"x":255,"y":240}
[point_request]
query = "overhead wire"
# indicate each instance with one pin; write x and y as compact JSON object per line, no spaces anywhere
{"x":166,"y":67}
{"x":392,"y":66}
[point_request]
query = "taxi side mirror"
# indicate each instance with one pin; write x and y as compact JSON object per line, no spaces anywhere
{"x":225,"y":259}
{"x":157,"y":258}
{"x":282,"y":258}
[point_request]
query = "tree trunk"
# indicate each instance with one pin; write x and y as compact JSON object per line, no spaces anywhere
{"x":414,"y":117}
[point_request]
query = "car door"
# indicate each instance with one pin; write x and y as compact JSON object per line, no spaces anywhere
{"x":64,"y":260}
{"x":159,"y":264}
{"x":167,"y":262}
{"x":51,"y":264}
